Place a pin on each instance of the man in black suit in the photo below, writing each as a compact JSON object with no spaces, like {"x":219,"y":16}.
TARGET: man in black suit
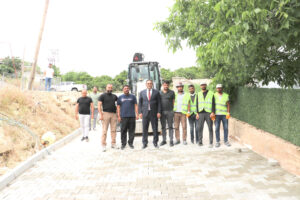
{"x":150,"y":111}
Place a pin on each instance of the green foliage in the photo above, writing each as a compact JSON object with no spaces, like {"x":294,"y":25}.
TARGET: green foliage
{"x":7,"y":65}
{"x":188,"y":73}
{"x":239,"y":42}
{"x":98,"y":81}
{"x":166,"y":74}
{"x":273,"y":110}
{"x":56,"y":71}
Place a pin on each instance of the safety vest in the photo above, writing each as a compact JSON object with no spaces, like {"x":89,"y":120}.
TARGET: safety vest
{"x":193,"y":105}
{"x":221,"y":104}
{"x":184,"y":106}
{"x":205,"y":103}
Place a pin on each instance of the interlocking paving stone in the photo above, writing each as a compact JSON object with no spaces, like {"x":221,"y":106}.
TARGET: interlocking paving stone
{"x":81,"y":171}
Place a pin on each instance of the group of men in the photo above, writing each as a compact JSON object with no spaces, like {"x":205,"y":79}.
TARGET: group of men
{"x":170,"y":107}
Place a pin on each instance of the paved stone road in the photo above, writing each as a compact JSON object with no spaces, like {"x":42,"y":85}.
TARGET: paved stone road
{"x":80,"y":170}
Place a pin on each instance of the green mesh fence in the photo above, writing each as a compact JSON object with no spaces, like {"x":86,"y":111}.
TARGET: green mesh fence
{"x":274,"y":110}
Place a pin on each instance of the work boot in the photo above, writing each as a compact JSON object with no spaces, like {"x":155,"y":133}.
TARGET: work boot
{"x":171,"y":143}
{"x":177,"y":142}
{"x":163,"y":143}
{"x":218,"y":144}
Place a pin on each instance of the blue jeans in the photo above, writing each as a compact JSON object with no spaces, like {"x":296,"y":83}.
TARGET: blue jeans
{"x":222,"y":118}
{"x":193,"y":122}
{"x":48,"y":84}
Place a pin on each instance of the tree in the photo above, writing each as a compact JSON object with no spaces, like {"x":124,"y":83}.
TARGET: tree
{"x":120,"y":80}
{"x":166,"y":74}
{"x":190,"y":73}
{"x":7,"y":65}
{"x":239,"y":42}
{"x":56,"y":71}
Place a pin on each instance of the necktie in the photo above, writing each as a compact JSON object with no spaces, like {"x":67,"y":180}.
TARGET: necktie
{"x":149,"y":95}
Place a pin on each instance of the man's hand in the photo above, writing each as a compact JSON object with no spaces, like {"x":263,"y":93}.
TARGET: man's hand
{"x":119,"y":118}
{"x":158,"y":115}
{"x":228,"y":116}
{"x":92,"y":116}
{"x":141,"y":116}
{"x":137,"y":116}
{"x":101,"y":117}
{"x":212,"y":115}
{"x":197,"y":116}
{"x":76,"y":116}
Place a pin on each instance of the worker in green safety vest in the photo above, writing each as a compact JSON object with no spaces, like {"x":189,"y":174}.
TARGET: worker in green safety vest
{"x":206,"y":110}
{"x":180,"y":112}
{"x":222,"y":114}
{"x":192,"y":113}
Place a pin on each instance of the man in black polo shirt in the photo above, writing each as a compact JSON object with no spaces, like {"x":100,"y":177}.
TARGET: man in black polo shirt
{"x":167,"y":104}
{"x":107,"y":103}
{"x":127,"y":110}
{"x":84,"y":107}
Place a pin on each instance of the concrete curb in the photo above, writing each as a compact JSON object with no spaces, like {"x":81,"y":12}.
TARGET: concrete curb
{"x":7,"y":178}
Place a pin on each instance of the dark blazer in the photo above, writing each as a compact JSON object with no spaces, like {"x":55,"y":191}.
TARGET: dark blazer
{"x":155,"y":102}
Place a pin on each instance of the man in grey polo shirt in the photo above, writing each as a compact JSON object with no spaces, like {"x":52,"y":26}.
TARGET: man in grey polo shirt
{"x":167,"y":101}
{"x":94,"y":95}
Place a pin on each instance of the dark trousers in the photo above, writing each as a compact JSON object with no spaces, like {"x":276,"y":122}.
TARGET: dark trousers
{"x":193,"y":122}
{"x":219,"y":119}
{"x":151,"y":117}
{"x":167,"y":117}
{"x":202,"y":118}
{"x":127,"y":125}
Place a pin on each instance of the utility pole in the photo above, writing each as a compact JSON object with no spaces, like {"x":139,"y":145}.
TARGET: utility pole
{"x":33,"y":69}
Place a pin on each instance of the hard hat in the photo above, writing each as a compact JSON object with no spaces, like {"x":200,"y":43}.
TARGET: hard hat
{"x":203,"y":83}
{"x":179,"y":85}
{"x":219,"y":86}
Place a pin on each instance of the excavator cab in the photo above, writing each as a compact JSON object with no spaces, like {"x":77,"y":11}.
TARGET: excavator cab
{"x":140,"y":72}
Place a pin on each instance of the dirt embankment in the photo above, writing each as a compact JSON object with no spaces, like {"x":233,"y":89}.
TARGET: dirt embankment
{"x":40,"y":112}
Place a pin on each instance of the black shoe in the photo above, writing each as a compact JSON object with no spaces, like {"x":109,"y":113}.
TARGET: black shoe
{"x":131,"y":146}
{"x":171,"y":144}
{"x":200,"y":144}
{"x":122,"y":147}
{"x":163,"y":143}
{"x":156,"y":146}
{"x":87,"y":138}
{"x":144,"y":146}
{"x":177,"y":142}
{"x":192,"y":141}
{"x":83,"y":138}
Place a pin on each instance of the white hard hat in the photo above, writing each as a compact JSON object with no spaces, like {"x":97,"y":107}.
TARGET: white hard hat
{"x":203,"y":83}
{"x":219,"y":86}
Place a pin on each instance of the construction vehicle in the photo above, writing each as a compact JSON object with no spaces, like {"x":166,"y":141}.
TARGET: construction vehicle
{"x":139,"y":71}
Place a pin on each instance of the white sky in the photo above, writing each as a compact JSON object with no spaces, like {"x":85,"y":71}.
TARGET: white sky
{"x":96,"y":36}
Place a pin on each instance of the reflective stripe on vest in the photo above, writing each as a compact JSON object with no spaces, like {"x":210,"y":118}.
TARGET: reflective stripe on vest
{"x":184,"y":106}
{"x":193,"y":105}
{"x":221,"y":104}
{"x":205,"y":103}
